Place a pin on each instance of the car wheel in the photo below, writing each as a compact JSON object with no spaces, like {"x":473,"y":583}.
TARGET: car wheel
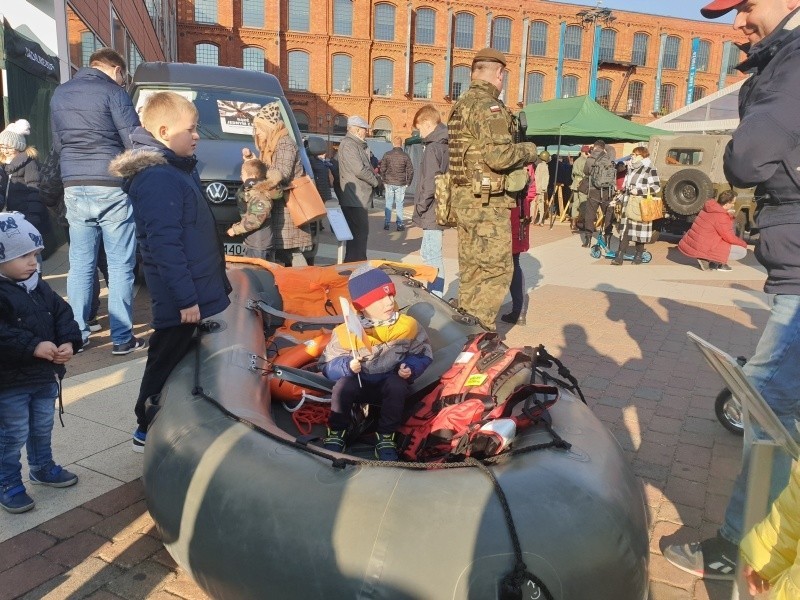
{"x":687,"y":191}
{"x":729,"y":412}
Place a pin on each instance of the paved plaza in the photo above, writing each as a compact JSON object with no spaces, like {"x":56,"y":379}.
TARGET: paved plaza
{"x":621,"y":331}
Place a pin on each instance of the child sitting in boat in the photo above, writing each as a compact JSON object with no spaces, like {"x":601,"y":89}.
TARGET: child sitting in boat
{"x":255,"y":207}
{"x":399,"y":352}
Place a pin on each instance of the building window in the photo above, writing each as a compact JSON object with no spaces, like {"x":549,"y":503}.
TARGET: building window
{"x":668,"y":93}
{"x":384,"y":22}
{"x":608,"y":45}
{"x":461,"y":79}
{"x":134,"y":57}
{"x":672,"y":48}
{"x":343,"y":17}
{"x":603,"y":97}
{"x":464,"y":30}
{"x":534,"y":88}
{"x":698,"y":93}
{"x":569,"y":86}
{"x":573,"y":40}
{"x":302,"y":120}
{"x":89,"y":44}
{"x":382,"y":127}
{"x":501,"y":34}
{"x":299,"y":15}
{"x":382,"y":77}
{"x":734,"y":58}
{"x":537,"y":45}
{"x":253,"y":59}
{"x":639,"y":54}
{"x":206,"y":54}
{"x":425,"y":32}
{"x":635,"y":95}
{"x":205,"y":11}
{"x":703,"y":55}
{"x":340,"y":123}
{"x":342,"y":73}
{"x":423,"y":80}
{"x":252,"y":13}
{"x":298,"y":70}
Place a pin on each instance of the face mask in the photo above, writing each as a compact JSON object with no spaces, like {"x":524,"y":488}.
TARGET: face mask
{"x":636,"y":162}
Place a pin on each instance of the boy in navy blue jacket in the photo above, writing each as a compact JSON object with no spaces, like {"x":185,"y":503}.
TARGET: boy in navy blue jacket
{"x":38,"y":334}
{"x":182,"y":256}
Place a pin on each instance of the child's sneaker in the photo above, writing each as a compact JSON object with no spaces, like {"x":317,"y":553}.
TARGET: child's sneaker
{"x":15,"y":500}
{"x":139,"y":440}
{"x":334,"y":441}
{"x":385,"y":448}
{"x":54,"y":475}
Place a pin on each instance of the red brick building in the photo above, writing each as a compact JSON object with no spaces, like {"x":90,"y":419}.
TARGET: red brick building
{"x":384,"y":59}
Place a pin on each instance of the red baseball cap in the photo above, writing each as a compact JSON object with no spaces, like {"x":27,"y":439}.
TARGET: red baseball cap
{"x":717,"y":8}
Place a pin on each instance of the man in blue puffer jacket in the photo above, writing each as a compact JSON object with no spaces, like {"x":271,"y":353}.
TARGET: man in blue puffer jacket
{"x":92,"y":118}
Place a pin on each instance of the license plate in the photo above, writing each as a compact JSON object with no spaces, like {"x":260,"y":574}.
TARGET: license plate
{"x":234,"y":249}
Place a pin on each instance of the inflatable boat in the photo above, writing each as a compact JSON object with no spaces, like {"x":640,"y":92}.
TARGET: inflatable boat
{"x":252,"y":508}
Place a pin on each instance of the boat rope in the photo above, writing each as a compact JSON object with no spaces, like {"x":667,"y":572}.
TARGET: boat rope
{"x":545,"y":359}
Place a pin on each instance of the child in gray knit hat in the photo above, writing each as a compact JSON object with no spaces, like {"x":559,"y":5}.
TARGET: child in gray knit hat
{"x":19,"y":179}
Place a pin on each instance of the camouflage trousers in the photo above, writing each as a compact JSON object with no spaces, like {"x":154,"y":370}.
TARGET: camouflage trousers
{"x":484,"y":261}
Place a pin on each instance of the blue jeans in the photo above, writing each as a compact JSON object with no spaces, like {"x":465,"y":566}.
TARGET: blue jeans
{"x":94,"y":212}
{"x":395,"y":195}
{"x":431,"y":252}
{"x":774,"y":370}
{"x":26,"y":417}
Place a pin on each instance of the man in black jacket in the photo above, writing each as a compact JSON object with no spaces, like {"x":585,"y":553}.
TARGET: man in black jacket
{"x":763,"y":153}
{"x":396,"y":173}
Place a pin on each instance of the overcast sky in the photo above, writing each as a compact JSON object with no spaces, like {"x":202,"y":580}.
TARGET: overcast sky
{"x":687,"y":9}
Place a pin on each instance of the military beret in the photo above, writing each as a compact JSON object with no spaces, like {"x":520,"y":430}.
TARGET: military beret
{"x":490,"y":55}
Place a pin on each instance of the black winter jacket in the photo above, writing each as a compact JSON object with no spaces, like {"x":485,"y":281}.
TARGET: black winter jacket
{"x":765,"y":151}
{"x":435,"y":159}
{"x":25,"y":320}
{"x":396,"y":168}
{"x":21,"y":190}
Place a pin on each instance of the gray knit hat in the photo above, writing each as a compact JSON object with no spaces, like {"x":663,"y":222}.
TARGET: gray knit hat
{"x":13,"y":136}
{"x":17,"y":236}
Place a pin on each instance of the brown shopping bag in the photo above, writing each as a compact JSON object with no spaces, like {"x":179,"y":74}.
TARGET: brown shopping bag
{"x":303,"y":201}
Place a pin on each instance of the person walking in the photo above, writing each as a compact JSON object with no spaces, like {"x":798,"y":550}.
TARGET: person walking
{"x":396,"y":172}
{"x":641,"y":181}
{"x":482,"y":153}
{"x":711,"y":239}
{"x":92,"y":118}
{"x":762,"y":154}
{"x":578,"y":197}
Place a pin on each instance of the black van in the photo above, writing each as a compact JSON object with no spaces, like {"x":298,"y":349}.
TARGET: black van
{"x":226,"y":99}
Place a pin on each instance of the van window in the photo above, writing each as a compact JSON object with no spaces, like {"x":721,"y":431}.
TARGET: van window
{"x":684,"y":156}
{"x":223,"y":114}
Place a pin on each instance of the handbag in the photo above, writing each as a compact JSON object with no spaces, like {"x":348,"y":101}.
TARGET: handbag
{"x":651,"y":208}
{"x":303,"y":201}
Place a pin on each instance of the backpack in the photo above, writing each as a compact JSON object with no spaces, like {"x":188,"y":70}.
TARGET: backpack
{"x":487,"y":382}
{"x":603,"y":174}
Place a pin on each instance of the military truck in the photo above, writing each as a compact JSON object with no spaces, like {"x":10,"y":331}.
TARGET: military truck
{"x":690,"y":169}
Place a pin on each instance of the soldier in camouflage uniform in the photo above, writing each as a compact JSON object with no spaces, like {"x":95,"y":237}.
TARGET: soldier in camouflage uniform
{"x":482,"y":154}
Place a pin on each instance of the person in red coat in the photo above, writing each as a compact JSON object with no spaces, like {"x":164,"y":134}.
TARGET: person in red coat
{"x":520,"y":242}
{"x":711,"y":239}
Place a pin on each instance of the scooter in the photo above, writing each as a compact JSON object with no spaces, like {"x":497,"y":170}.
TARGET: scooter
{"x":600,"y":248}
{"x":728,"y":408}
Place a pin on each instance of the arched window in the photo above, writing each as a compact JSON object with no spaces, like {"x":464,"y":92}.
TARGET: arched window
{"x":253,"y":59}
{"x":340,"y":123}
{"x":573,"y":40}
{"x":698,"y":93}
{"x":423,"y":80}
{"x":668,"y":94}
{"x":206,"y":54}
{"x":537,"y":45}
{"x":672,"y":48}
{"x":501,"y":34}
{"x":569,"y":86}
{"x":464,"y":30}
{"x":384,"y":22}
{"x":342,"y":73}
{"x":205,"y":11}
{"x":608,"y":44}
{"x":425,"y":32}
{"x":298,"y":70}
{"x":703,"y":55}
{"x":461,"y":78}
{"x":635,"y":95}
{"x":382,"y":127}
{"x":534,"y":88}
{"x":604,"y":93}
{"x":639,"y":53}
{"x":302,"y":120}
{"x":342,"y":17}
{"x":252,"y":13}
{"x":382,"y":77}
{"x":299,"y":15}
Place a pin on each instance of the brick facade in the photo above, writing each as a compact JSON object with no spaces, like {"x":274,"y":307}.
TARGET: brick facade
{"x":320,"y":104}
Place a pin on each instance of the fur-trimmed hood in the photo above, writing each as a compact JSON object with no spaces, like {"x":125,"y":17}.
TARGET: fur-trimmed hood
{"x":147,"y":152}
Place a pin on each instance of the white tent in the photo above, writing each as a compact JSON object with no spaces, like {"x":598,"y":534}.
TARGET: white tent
{"x":716,"y":113}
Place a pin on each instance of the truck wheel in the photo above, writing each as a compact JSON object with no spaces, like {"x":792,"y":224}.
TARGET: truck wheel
{"x":687,"y":191}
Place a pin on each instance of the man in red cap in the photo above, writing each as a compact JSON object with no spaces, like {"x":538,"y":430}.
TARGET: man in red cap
{"x":763,"y":153}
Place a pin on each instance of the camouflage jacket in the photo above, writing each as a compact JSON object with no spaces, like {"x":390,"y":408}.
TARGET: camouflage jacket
{"x":255,"y":205}
{"x":481,"y":140}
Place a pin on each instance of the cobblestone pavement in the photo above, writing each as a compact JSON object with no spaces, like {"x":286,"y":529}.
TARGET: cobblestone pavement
{"x":641,"y":376}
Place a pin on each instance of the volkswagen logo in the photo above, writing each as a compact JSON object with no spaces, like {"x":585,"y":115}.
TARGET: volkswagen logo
{"x":216,"y":192}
